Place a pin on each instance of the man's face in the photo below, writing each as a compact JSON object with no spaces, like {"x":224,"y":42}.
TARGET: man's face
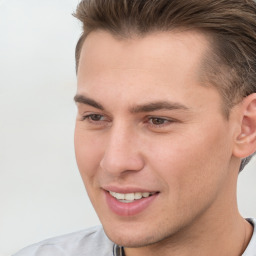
{"x":148,"y":129}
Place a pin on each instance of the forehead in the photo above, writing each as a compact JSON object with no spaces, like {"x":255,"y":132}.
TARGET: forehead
{"x":107,"y":51}
{"x":151,"y":66}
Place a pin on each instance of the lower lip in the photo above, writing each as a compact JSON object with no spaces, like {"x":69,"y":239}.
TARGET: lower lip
{"x":129,"y":209}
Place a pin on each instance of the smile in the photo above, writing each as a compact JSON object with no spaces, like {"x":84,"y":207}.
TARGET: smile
{"x":130,"y":197}
{"x":129,"y":204}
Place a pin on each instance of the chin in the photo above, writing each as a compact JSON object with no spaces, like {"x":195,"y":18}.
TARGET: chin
{"x":134,"y":238}
{"x":131,"y":242}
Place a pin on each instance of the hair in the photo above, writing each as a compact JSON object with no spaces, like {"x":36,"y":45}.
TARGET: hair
{"x":230,"y":27}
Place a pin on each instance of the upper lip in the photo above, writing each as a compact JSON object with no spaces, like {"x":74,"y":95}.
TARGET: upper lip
{"x":127,"y":189}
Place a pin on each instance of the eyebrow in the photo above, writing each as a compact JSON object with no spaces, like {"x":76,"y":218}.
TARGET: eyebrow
{"x":87,"y":101}
{"x":159,"y":105}
{"x":148,"y":107}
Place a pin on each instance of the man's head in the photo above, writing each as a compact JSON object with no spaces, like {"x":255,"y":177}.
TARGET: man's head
{"x":230,"y":27}
{"x":162,"y":109}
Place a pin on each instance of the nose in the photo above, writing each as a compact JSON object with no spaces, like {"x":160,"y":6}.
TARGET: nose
{"x":122,"y":152}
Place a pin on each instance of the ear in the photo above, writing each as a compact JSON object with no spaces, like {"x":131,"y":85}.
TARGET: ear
{"x":245,"y":142}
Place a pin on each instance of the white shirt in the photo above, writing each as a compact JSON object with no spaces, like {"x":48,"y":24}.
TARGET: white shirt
{"x":94,"y":242}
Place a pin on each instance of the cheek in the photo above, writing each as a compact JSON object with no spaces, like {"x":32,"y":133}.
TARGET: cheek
{"x":88,"y":152}
{"x":194,"y":162}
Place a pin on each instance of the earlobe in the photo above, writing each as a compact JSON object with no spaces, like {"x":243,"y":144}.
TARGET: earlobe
{"x":245,"y":142}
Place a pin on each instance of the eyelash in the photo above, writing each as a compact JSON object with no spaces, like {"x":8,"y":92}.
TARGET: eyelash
{"x":164,"y":121}
{"x":90,"y":118}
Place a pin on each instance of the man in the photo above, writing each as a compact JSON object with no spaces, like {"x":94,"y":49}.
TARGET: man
{"x":166,"y":118}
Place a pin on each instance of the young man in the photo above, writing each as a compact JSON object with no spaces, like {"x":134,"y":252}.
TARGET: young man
{"x":166,"y":103}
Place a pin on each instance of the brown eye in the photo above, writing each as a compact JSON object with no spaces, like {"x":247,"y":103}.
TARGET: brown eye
{"x":158,"y":121}
{"x":96,"y":117}
{"x":96,"y":121}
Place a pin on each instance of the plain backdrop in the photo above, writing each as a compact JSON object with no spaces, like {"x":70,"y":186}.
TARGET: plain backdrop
{"x":41,"y":193}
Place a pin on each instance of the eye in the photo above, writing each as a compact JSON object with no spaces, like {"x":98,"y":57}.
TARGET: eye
{"x":94,"y":117}
{"x":160,"y":124}
{"x":158,"y":121}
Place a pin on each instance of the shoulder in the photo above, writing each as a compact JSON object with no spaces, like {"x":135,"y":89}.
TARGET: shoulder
{"x":92,"y":241}
{"x":251,"y":248}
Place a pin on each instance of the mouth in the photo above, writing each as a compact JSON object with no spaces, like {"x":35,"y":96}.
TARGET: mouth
{"x":130,"y":197}
{"x":129,"y":203}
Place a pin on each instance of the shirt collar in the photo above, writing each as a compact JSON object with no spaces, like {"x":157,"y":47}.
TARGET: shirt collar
{"x":118,"y":250}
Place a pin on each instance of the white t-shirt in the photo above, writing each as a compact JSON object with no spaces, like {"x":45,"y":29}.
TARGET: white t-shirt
{"x":93,"y":241}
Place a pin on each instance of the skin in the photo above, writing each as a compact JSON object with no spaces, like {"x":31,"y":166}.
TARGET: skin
{"x":189,"y":153}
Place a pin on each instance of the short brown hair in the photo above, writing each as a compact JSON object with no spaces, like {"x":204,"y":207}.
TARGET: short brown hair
{"x":230,"y":26}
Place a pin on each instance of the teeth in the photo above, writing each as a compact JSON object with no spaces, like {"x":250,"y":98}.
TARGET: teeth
{"x":138,"y":195}
{"x":129,"y":197}
{"x":145,"y":194}
{"x":119,"y":196}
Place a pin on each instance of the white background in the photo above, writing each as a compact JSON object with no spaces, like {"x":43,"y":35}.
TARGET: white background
{"x":41,"y":193}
